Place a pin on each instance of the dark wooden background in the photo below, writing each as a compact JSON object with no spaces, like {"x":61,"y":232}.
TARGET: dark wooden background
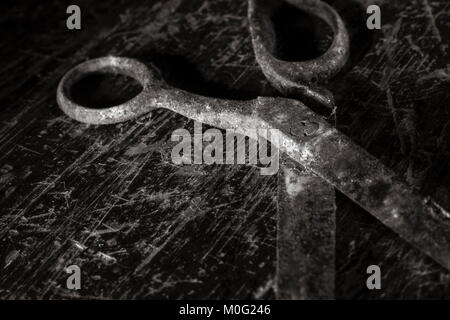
{"x":109,"y":199}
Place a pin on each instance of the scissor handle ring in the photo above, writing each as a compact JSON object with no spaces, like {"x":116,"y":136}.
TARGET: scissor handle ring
{"x":115,"y":114}
{"x":300,"y":76}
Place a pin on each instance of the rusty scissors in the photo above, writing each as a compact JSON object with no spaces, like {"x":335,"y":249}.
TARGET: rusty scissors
{"x":326,"y":152}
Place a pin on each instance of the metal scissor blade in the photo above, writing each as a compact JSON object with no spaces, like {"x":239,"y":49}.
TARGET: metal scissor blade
{"x":321,"y":148}
{"x":305,"y":234}
{"x":308,"y":139}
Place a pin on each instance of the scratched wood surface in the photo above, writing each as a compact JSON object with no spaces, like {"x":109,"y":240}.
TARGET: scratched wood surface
{"x":109,"y":199}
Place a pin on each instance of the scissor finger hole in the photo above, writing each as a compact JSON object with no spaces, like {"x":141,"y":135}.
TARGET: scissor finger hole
{"x":300,"y":35}
{"x":120,"y":111}
{"x":103,"y":90}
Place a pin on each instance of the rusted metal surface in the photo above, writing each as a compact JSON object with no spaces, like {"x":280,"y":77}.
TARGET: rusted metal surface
{"x":136,"y":107}
{"x":305,"y":234}
{"x":299,"y":78}
{"x":364,"y":179}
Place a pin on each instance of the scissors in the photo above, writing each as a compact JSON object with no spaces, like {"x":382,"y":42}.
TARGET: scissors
{"x":324,"y":151}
